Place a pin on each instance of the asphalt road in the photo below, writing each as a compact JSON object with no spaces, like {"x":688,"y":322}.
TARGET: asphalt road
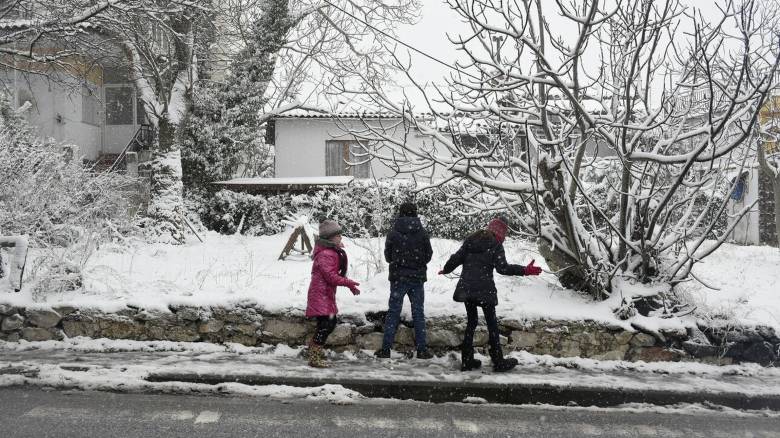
{"x":32,"y":412}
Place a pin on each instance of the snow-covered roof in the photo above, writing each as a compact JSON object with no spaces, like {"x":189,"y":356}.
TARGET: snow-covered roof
{"x":302,"y":183}
{"x":310,"y":180}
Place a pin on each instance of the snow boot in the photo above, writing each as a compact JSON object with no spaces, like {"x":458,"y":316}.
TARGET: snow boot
{"x":382,"y":354}
{"x":467,"y":361}
{"x":317,"y":357}
{"x":500,"y":363}
{"x":424,"y":354}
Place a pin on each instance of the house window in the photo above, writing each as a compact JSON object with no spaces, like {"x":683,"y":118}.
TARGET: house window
{"x":338,"y":155}
{"x":90,"y":106}
{"x":119,"y":105}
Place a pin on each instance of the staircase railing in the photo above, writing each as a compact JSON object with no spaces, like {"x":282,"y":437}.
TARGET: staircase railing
{"x":142,"y":139}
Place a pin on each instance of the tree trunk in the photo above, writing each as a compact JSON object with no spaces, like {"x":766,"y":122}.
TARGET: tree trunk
{"x":166,"y":206}
{"x":565,"y":258}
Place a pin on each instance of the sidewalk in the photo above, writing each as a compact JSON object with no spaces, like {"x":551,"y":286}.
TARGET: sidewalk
{"x":202,"y":367}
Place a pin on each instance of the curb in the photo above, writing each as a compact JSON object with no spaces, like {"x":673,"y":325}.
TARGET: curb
{"x":516,"y":394}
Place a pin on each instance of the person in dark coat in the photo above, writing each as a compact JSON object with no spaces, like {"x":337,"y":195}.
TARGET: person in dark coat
{"x":481,"y":254}
{"x":408,"y":251}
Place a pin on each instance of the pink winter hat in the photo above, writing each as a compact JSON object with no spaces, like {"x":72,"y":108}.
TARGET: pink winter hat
{"x":499,"y":228}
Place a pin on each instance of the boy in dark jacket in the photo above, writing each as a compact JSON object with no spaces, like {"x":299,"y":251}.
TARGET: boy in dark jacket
{"x":480,"y":254}
{"x":408,"y":251}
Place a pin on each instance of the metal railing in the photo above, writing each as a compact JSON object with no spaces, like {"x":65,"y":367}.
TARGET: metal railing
{"x":142,"y":140}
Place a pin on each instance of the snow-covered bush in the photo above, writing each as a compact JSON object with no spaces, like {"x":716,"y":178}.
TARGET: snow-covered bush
{"x":355,"y":207}
{"x":47,"y":194}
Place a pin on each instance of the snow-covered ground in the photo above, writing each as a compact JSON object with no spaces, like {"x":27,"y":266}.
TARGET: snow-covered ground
{"x":230,"y":269}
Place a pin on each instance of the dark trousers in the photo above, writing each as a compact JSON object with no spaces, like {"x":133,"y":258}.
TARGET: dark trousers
{"x":325,"y":326}
{"x":416,"y":292}
{"x":492,"y":325}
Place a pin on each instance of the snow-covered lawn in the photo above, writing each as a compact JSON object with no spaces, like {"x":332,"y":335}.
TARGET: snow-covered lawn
{"x":230,"y":269}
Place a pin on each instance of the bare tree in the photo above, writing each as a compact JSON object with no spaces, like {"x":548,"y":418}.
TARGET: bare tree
{"x":166,"y":44}
{"x":665,"y":98}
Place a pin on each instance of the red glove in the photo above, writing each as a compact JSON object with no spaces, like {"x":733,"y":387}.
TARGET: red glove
{"x":354,"y":290}
{"x":531,"y":269}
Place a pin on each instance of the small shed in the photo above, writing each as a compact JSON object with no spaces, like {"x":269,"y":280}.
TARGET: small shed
{"x":284,"y":185}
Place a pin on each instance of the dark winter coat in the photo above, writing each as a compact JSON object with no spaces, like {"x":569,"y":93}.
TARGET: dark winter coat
{"x":408,"y":250}
{"x":327,"y":272}
{"x":480,"y":254}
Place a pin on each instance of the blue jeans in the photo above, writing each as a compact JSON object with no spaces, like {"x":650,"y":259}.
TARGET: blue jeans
{"x":416,"y":292}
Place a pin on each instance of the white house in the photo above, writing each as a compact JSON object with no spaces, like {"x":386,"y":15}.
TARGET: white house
{"x":312,"y":144}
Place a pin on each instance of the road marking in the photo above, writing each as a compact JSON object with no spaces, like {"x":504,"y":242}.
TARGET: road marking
{"x":207,"y":417}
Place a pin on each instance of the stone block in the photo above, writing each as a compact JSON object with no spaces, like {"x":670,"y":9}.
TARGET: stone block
{"x":286,"y":331}
{"x":480,"y":337}
{"x":7,"y":309}
{"x":642,"y":340}
{"x":342,"y":335}
{"x":369,"y":341}
{"x":623,"y":337}
{"x":43,"y":318}
{"x":33,"y":334}
{"x":404,"y":335}
{"x":443,"y":338}
{"x":210,"y":326}
{"x":655,"y":354}
{"x":12,"y":322}
{"x":120,"y":327}
{"x":522,"y":340}
{"x":569,"y":348}
{"x":80,"y":325}
{"x":617,"y":354}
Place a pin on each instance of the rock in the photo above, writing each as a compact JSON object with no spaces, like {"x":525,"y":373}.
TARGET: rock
{"x":284,"y":330}
{"x":769,"y":334}
{"x":80,"y":325}
{"x":7,"y":309}
{"x":760,"y":352}
{"x":342,"y":335}
{"x":10,"y":336}
{"x":43,"y":318}
{"x":65,"y":310}
{"x":365,"y":329}
{"x":569,"y":348}
{"x":522,"y":340}
{"x":700,"y":349}
{"x":404,"y":335}
{"x":237,"y":315}
{"x":369,"y":341}
{"x":623,"y":337}
{"x":642,"y":340}
{"x":210,"y":326}
{"x":172,"y":332}
{"x":743,"y":336}
{"x":617,"y":354}
{"x":587,"y":338}
{"x":513,"y":324}
{"x":113,"y":326}
{"x":656,"y":354}
{"x":13,"y":322}
{"x":190,"y":314}
{"x":480,"y":337}
{"x":443,"y":338}
{"x":33,"y":334}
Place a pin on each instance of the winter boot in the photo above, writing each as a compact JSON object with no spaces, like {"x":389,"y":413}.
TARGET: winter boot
{"x":382,"y":354}
{"x":500,"y":363}
{"x":424,"y":354}
{"x":467,"y":361}
{"x":317,"y":357}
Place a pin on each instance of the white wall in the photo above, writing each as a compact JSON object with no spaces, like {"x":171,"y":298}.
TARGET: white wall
{"x":300,"y":146}
{"x":57,"y":114}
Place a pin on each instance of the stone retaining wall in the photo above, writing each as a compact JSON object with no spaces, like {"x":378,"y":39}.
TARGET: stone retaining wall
{"x":252,"y":326}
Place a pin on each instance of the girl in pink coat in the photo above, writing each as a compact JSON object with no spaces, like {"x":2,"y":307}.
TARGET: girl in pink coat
{"x":328,"y":271}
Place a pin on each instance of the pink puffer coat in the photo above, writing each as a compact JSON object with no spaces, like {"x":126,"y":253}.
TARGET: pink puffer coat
{"x":327,"y":272}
